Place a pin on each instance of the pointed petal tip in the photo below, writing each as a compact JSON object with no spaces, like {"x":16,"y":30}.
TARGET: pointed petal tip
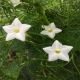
{"x":7,"y":39}
{"x":3,"y":27}
{"x":42,"y":26}
{"x":50,"y":60}
{"x":60,"y":30}
{"x":23,"y":40}
{"x":57,"y":30}
{"x":16,"y":18}
{"x":67,"y":60}
{"x":43,"y":32}
{"x":56,"y":41}
{"x":51,"y":37}
{"x":29,"y":26}
{"x":44,"y":49}
{"x":72,"y":47}
{"x":52,"y":23}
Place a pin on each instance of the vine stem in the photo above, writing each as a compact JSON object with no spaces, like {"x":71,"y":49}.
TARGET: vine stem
{"x":75,"y":65}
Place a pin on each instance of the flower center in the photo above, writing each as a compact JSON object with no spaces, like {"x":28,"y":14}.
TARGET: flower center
{"x":16,"y":30}
{"x":58,"y":50}
{"x":50,"y":30}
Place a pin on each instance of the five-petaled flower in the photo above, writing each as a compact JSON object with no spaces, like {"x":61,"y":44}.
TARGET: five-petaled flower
{"x":16,"y":30}
{"x":50,"y":30}
{"x":58,"y":51}
{"x":15,"y":2}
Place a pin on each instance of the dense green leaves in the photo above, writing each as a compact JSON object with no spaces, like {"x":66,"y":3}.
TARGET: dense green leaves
{"x":26,"y":60}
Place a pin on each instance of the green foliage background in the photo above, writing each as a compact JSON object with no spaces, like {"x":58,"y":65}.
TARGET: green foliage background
{"x":26,"y":60}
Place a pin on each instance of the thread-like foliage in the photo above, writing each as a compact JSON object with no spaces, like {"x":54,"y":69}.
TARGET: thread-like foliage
{"x":26,"y":60}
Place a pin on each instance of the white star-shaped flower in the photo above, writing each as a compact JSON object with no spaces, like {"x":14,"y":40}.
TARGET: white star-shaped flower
{"x":50,"y":30}
{"x":16,"y":30}
{"x":15,"y":2}
{"x":58,"y":51}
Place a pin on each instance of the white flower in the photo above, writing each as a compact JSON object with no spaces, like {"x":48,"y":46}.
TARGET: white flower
{"x":15,"y":2}
{"x":50,"y":30}
{"x":16,"y":30}
{"x":58,"y":51}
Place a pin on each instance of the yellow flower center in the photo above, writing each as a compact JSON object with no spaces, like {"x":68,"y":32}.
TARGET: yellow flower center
{"x":58,"y":50}
{"x":16,"y":30}
{"x":50,"y":30}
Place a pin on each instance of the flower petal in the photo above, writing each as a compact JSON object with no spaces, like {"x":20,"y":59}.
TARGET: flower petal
{"x":25,"y":27}
{"x":65,"y":58}
{"x":44,"y":32}
{"x":57,"y":44}
{"x":57,"y":30}
{"x":16,"y":23}
{"x":10,"y":36}
{"x":51,"y":35}
{"x":20,"y":36}
{"x":66,"y":49}
{"x":15,"y":2}
{"x":7,"y":29}
{"x":48,"y":49}
{"x":52,"y":57}
{"x":44,"y":26}
{"x":52,"y":25}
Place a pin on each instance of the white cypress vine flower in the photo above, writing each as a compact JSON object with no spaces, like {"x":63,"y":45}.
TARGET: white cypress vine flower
{"x":50,"y":30}
{"x":15,"y":2}
{"x":58,"y":51}
{"x":16,"y":30}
